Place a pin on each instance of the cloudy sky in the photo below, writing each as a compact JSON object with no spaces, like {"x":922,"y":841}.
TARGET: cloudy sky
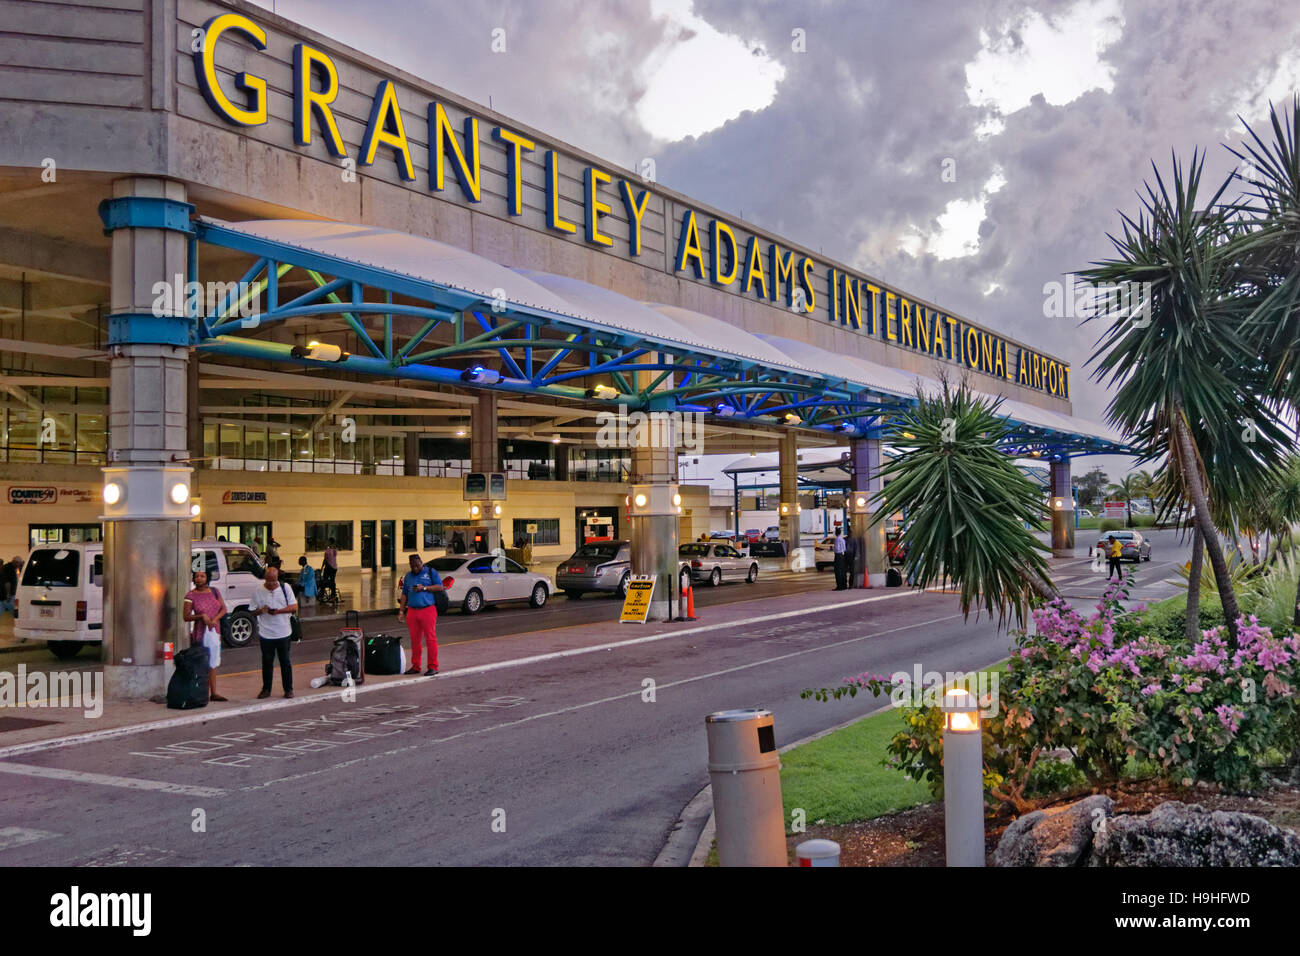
{"x":833,"y":122}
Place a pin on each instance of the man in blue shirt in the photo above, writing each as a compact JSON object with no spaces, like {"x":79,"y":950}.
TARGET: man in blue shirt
{"x":421,"y":613}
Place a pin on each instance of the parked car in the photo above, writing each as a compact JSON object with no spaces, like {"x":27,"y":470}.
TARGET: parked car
{"x":753,"y":534}
{"x":61,"y":595}
{"x":597,"y":566}
{"x":773,"y":533}
{"x":1136,"y":548}
{"x":716,"y":563}
{"x":1084,"y":513}
{"x":476,"y":580}
{"x":824,"y":553}
{"x":738,"y":541}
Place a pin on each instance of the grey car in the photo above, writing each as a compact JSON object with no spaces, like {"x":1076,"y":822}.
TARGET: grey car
{"x":714,"y":562}
{"x":597,"y":566}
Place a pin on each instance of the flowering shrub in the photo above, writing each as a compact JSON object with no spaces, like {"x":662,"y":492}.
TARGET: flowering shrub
{"x":1105,"y":691}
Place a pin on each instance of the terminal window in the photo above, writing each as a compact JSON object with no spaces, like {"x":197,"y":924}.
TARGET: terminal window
{"x":548,"y":531}
{"x":317,"y":535}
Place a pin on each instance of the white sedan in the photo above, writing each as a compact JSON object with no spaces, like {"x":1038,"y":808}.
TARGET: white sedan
{"x":475,"y":580}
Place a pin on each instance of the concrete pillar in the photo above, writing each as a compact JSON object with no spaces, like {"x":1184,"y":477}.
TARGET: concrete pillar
{"x":788,"y":464}
{"x":484,"y":450}
{"x":484,"y":454}
{"x":411,"y":455}
{"x":146,"y":529}
{"x":654,"y":533}
{"x":873,"y":558}
{"x":1062,"y":507}
{"x":561,"y":469}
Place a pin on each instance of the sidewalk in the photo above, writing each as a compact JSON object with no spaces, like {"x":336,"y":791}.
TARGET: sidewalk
{"x":455,"y":660}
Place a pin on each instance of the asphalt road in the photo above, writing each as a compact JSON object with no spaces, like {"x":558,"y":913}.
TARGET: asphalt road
{"x":561,"y":761}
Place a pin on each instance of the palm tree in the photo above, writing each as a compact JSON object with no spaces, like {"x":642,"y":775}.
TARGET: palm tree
{"x":967,"y":504}
{"x":1186,"y":377}
{"x":1144,"y":486}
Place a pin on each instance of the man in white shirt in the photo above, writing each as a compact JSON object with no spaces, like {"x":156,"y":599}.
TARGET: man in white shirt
{"x":841,"y":560}
{"x":273,"y":603}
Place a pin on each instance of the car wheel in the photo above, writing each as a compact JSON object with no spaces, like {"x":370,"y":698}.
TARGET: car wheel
{"x":753,"y":574}
{"x":539,"y":595}
{"x":573,"y":595}
{"x":473,"y":602}
{"x":715,"y":578}
{"x":243,"y":627}
{"x":623,"y":583}
{"x":65,"y":650}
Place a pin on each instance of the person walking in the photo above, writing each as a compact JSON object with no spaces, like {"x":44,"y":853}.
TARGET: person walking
{"x":273,"y":602}
{"x":1116,"y":555}
{"x":10,"y":574}
{"x":205,"y":607}
{"x":841,"y":554}
{"x":307,"y":581}
{"x":457,"y":543}
{"x":420,"y":613}
{"x":330,"y":570}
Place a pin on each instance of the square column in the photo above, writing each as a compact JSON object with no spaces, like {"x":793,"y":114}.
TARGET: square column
{"x":1062,"y":507}
{"x":788,"y":508}
{"x":148,"y":479}
{"x":655,"y":525}
{"x":873,"y":558}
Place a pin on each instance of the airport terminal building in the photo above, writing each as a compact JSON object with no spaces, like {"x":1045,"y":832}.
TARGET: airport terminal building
{"x":260,"y":285}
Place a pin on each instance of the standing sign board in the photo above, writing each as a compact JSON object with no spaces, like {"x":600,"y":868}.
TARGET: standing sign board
{"x":1114,"y":509}
{"x":636,"y":606}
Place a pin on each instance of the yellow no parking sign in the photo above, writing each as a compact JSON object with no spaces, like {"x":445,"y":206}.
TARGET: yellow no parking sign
{"x":636,"y":606}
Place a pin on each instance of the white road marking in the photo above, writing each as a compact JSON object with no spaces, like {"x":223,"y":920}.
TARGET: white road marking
{"x":11,"y":837}
{"x":103,"y":779}
{"x":109,"y":733}
{"x":428,"y":742}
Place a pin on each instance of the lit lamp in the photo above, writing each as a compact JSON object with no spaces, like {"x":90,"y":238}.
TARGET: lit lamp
{"x":1058,"y":504}
{"x":496,"y":511}
{"x":963,"y":779}
{"x":475,"y":511}
{"x":785,"y":509}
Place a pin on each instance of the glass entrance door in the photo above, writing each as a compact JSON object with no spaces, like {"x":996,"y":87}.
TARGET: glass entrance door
{"x":387,"y":546}
{"x":368,"y":545}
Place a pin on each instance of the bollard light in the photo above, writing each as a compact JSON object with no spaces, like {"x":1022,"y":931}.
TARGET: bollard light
{"x":112,"y":493}
{"x":180,"y":493}
{"x":963,"y":779}
{"x":195,"y":510}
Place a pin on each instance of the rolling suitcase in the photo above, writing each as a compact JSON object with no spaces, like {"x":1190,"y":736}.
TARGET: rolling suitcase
{"x":188,"y":687}
{"x":348,"y":651}
{"x":384,"y":655}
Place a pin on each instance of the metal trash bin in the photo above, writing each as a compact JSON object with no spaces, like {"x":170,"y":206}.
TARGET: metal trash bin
{"x":745,"y":771}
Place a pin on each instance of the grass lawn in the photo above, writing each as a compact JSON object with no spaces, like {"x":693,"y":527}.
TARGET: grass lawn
{"x":839,"y":778}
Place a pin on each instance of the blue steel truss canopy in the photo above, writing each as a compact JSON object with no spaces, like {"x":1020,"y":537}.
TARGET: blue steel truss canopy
{"x":424,"y":310}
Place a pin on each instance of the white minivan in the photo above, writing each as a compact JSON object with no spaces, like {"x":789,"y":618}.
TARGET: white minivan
{"x":60,"y":598}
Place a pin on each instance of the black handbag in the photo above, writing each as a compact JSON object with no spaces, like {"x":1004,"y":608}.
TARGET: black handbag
{"x":295,"y":625}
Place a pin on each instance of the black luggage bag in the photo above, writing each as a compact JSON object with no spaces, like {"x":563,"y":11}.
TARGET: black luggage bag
{"x":383,"y":654}
{"x":188,"y":687}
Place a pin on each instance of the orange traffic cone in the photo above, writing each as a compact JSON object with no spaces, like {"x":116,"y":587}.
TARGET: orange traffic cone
{"x":690,"y":603}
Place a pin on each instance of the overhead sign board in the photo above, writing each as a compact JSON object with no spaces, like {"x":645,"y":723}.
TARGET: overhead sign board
{"x":614,"y":213}
{"x":636,"y":606}
{"x":485,"y":486}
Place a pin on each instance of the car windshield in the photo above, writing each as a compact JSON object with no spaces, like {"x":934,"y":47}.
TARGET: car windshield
{"x":603,"y":551}
{"x":446,"y":564}
{"x":52,"y":568}
{"x":693,"y":550}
